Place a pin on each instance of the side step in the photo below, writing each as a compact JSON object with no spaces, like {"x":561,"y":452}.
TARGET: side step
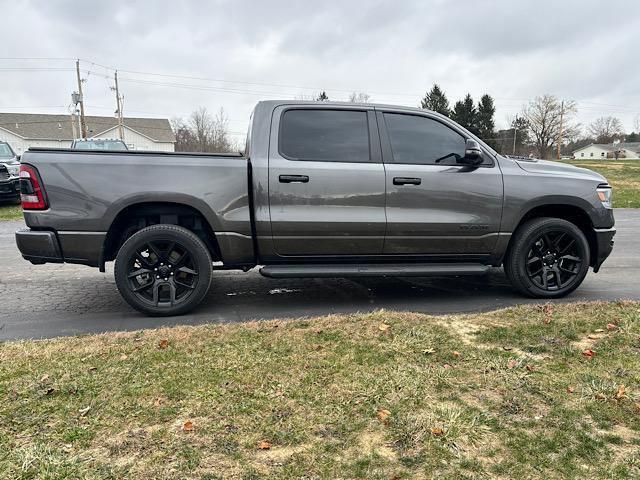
{"x":373,"y":270}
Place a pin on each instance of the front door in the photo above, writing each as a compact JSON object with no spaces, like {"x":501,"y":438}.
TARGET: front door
{"x":326,"y":182}
{"x":436,"y":206}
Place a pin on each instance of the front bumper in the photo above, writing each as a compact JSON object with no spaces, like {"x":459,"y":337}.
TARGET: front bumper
{"x":39,"y":246}
{"x":603,"y":245}
{"x":10,"y":189}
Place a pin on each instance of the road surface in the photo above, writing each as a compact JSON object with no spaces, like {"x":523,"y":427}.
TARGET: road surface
{"x":56,"y":300}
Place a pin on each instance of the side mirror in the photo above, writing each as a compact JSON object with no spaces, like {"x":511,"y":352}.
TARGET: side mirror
{"x":472,"y":153}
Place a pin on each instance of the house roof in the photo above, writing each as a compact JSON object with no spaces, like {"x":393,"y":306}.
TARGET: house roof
{"x":609,"y":147}
{"x":58,"y":127}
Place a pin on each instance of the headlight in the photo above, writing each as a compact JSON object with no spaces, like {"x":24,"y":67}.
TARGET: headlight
{"x":605,"y":195}
{"x":14,"y":170}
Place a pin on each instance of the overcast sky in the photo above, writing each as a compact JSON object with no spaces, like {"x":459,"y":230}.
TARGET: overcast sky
{"x":232,"y":54}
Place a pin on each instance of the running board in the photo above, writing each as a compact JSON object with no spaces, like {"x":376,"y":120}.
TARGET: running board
{"x":374,"y":270}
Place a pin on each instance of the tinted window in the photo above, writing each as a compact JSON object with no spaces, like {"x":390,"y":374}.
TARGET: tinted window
{"x":416,"y":139}
{"x":325,"y":135}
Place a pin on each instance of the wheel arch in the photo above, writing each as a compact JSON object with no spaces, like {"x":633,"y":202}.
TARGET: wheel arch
{"x":567,"y":211}
{"x":138,"y":215}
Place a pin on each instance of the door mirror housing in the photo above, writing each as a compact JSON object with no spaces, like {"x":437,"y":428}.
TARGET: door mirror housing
{"x":472,"y":153}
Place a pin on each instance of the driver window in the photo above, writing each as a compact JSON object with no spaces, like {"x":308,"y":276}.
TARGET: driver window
{"x":421,"y":140}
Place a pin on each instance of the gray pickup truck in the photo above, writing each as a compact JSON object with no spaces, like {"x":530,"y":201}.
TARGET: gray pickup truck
{"x":322,"y":190}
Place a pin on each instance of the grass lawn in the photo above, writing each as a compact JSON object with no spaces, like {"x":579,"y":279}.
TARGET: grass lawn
{"x":527,"y":392}
{"x":623,"y":175}
{"x":10,"y":212}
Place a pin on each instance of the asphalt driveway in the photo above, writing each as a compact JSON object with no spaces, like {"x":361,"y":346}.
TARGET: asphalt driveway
{"x":55,"y":300}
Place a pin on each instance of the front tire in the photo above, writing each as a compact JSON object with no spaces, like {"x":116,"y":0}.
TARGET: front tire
{"x":547,"y":258}
{"x":163,"y":270}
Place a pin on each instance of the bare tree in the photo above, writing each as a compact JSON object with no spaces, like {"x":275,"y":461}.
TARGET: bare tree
{"x":203,"y":132}
{"x":606,"y":129}
{"x":359,"y":97}
{"x":543,"y":116}
{"x":220,"y":141}
{"x":201,"y":125}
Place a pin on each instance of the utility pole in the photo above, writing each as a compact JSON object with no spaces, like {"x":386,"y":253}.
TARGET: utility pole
{"x":119,"y":108}
{"x":83,"y":123}
{"x":560,"y":132}
{"x":515,"y":134}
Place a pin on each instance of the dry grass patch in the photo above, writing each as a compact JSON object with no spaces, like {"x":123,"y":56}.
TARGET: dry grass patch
{"x":505,"y":394}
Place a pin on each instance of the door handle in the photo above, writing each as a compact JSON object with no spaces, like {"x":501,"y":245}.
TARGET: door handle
{"x":406,"y":181}
{"x":293,"y":178}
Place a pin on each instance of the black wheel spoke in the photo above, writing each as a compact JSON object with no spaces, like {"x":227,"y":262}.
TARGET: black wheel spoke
{"x":143,"y":287}
{"x":571,"y":257}
{"x":567,"y":247}
{"x":188,"y":271}
{"x":182,"y":284}
{"x":533,"y":260}
{"x":140,"y":271}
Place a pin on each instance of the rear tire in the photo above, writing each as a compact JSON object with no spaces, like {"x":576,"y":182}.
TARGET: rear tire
{"x":547,"y":258}
{"x":163,"y":270}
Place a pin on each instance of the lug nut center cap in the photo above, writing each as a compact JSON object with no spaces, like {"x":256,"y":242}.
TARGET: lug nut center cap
{"x":164,"y":271}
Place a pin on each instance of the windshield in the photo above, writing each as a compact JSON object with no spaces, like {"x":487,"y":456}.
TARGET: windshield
{"x":5,"y":151}
{"x":100,"y":145}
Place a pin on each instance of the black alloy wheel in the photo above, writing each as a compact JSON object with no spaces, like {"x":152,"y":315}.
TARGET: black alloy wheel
{"x":163,"y":270}
{"x":547,"y":258}
{"x":554,"y":260}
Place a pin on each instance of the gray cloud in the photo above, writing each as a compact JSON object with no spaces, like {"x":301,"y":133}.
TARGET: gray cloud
{"x":580,"y":50}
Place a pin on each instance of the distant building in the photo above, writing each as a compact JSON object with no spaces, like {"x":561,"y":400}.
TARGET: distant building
{"x":629,"y":151}
{"x":24,"y":130}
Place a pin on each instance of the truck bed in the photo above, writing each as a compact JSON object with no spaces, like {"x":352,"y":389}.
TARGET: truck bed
{"x":86,"y":190}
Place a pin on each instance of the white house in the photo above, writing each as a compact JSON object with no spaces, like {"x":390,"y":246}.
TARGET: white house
{"x":628,"y":151}
{"x":24,"y":130}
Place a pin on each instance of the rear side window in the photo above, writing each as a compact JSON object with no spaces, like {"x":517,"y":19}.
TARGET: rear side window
{"x":324,"y":135}
{"x":421,"y":140}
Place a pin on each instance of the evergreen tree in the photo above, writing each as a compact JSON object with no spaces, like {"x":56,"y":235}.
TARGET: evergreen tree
{"x":323,"y":97}
{"x":436,"y":100}
{"x":465,"y":113}
{"x":484,"y":120}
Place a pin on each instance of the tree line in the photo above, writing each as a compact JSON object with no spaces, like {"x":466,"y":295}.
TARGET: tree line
{"x":535,"y":131}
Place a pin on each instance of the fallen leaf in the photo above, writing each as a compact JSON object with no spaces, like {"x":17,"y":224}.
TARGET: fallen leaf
{"x":455,"y":354}
{"x":589,"y":353}
{"x":446,"y":366}
{"x":44,"y":378}
{"x":164,"y":343}
{"x":593,"y":337}
{"x":383,"y":415}
{"x":530,"y":368}
{"x":621,"y":393}
{"x":570,"y":390}
{"x":264,"y":445}
{"x":49,"y":391}
{"x":383,"y":327}
{"x":93,"y":369}
{"x":599,"y":330}
{"x":428,"y":351}
{"x":611,"y":326}
{"x":83,"y":411}
{"x":188,"y":426}
{"x":548,"y":313}
{"x":123,"y":357}
{"x":636,"y":406}
{"x":507,"y":349}
{"x":437,"y":432}
{"x":512,"y":364}
{"x":600,"y":396}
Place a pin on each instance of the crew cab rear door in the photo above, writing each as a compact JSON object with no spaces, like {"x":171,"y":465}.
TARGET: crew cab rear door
{"x":326,"y":181}
{"x":435,"y":205}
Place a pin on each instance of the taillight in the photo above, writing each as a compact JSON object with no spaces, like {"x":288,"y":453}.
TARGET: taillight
{"x":31,"y":192}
